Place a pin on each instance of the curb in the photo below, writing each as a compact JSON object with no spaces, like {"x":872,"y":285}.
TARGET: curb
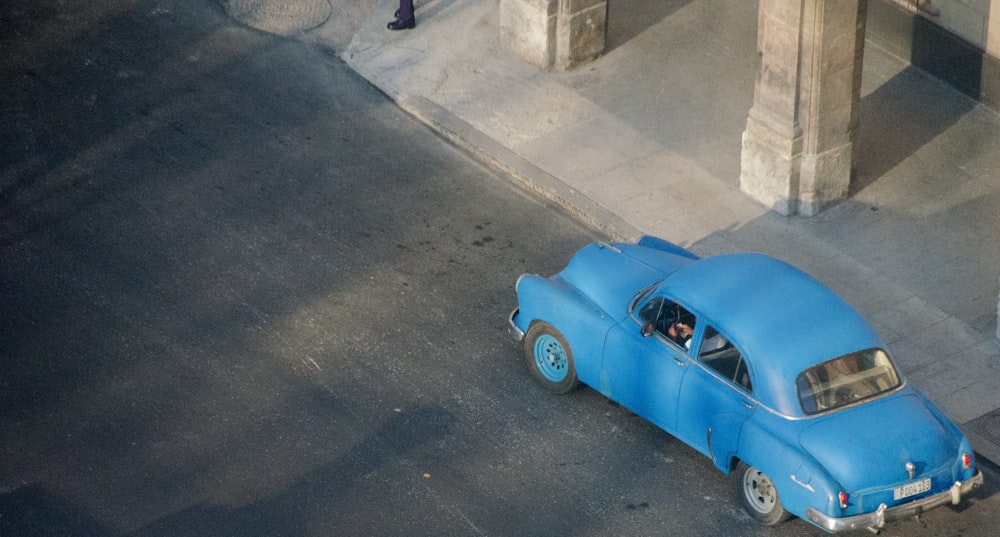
{"x":520,"y":170}
{"x":497,"y":156}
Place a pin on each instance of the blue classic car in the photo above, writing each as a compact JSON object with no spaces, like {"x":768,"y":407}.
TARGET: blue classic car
{"x":777,"y":380}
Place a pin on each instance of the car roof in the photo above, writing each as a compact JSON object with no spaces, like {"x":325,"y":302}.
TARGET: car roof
{"x":782,"y":319}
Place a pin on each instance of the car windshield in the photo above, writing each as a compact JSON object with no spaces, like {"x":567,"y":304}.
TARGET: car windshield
{"x":844,"y":380}
{"x":641,"y":294}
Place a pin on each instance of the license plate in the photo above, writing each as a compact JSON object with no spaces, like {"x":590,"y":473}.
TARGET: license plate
{"x":911,"y":489}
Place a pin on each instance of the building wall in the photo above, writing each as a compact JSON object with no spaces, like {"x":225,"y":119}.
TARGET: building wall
{"x":955,"y":40}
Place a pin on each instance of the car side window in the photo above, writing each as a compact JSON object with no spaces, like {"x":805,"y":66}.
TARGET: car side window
{"x":718,"y":353}
{"x":669,"y":319}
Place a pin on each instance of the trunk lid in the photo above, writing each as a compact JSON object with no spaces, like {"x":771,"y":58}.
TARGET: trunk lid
{"x":869,"y":445}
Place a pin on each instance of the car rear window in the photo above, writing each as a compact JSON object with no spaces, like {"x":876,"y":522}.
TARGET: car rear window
{"x":845,"y":380}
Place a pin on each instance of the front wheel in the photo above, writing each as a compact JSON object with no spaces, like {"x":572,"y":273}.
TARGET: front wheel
{"x":756,"y":492}
{"x":550,"y":358}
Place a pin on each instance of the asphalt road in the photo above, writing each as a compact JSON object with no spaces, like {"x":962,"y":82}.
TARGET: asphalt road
{"x":243,"y":294}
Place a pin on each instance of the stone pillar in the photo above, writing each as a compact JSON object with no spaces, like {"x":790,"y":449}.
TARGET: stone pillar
{"x":559,"y":34}
{"x":798,"y":146}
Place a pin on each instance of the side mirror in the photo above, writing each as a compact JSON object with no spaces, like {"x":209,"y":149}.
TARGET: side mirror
{"x":648,"y":329}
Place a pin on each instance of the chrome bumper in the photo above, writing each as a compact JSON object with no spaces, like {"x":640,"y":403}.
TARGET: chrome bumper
{"x":877,"y":519}
{"x":512,"y":328}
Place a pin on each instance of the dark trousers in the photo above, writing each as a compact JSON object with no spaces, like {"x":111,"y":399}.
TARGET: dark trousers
{"x":405,"y":10}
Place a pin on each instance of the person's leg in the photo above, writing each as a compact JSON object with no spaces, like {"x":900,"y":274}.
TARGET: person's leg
{"x":405,"y":10}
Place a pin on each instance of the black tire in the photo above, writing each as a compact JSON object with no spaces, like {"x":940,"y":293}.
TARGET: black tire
{"x":758,"y":495}
{"x":550,"y":358}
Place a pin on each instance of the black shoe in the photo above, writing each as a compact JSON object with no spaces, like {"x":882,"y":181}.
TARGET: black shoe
{"x":402,"y":25}
{"x":396,"y":14}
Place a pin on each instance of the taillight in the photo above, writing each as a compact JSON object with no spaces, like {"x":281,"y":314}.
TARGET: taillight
{"x":842,"y":496}
{"x":966,"y":461}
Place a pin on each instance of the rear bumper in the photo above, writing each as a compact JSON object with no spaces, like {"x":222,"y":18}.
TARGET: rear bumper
{"x":512,"y":328}
{"x":883,"y":514}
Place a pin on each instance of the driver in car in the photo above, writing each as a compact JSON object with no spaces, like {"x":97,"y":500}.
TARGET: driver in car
{"x":681,"y":333}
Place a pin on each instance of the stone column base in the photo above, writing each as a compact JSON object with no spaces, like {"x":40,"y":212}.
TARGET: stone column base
{"x":549,"y":34}
{"x":774,"y":171}
{"x":824,"y":179}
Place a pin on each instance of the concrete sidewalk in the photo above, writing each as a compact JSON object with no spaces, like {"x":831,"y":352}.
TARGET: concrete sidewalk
{"x":647,"y":140}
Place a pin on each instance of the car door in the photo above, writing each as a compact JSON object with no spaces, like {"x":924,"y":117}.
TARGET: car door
{"x":716,"y":397}
{"x":642,"y":366}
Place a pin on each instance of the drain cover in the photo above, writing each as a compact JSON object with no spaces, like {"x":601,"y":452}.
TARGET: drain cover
{"x":282,"y":17}
{"x":987,"y":426}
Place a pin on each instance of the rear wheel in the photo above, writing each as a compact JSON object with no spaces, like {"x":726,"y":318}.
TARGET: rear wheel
{"x":550,"y":358}
{"x":756,"y":492}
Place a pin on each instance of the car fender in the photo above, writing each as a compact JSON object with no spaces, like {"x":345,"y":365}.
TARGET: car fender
{"x":800,"y":480}
{"x":582,"y":323}
{"x":957,"y":471}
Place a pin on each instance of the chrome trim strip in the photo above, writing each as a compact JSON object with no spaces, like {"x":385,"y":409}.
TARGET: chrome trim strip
{"x":609,"y":246}
{"x":806,"y":486}
{"x":512,"y":328}
{"x":877,"y":519}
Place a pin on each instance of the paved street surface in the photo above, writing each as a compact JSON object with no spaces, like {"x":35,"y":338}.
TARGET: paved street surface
{"x":245,"y":295}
